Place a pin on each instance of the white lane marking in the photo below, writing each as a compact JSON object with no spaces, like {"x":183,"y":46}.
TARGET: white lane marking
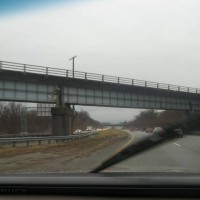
{"x":177,"y":144}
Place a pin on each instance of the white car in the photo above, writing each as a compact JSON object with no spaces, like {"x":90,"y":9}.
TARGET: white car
{"x":77,"y":131}
{"x":89,"y":128}
{"x":158,"y":130}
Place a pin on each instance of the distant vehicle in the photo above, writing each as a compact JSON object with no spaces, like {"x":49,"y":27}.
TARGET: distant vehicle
{"x":132,"y":129}
{"x":179,"y":132}
{"x":149,"y":130}
{"x":77,"y":131}
{"x":89,"y":128}
{"x":158,"y":130}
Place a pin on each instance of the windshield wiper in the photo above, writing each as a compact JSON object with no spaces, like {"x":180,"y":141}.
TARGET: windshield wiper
{"x":143,"y":145}
{"x":135,"y":148}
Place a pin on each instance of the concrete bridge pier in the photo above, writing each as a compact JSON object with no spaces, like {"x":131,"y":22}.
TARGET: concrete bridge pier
{"x":61,"y":120}
{"x":62,"y":115}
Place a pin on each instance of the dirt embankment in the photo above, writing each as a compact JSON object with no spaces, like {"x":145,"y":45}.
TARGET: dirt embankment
{"x":75,"y":156}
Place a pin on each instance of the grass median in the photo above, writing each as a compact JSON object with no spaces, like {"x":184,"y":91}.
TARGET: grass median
{"x":59,"y":156}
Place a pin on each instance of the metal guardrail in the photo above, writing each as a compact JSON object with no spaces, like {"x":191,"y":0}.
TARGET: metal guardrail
{"x":15,"y":140}
{"x":48,"y":71}
{"x":24,"y":135}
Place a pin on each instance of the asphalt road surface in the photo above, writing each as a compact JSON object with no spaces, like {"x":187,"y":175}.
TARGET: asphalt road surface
{"x":177,"y":155}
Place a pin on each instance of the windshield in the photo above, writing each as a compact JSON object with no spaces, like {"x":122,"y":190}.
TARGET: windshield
{"x":80,"y":81}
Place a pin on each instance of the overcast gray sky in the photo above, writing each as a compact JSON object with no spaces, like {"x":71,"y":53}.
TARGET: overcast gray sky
{"x":151,"y":40}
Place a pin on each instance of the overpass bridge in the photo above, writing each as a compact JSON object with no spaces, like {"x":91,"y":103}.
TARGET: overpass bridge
{"x":112,"y":125}
{"x":31,"y":83}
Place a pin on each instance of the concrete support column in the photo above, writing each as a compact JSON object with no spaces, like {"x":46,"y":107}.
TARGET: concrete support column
{"x":61,"y":120}
{"x":23,"y":122}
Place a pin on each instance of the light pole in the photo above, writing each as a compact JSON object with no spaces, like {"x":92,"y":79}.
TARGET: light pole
{"x":73,"y":64}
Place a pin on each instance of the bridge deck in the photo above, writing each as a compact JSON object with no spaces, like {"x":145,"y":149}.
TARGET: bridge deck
{"x":29,"y":83}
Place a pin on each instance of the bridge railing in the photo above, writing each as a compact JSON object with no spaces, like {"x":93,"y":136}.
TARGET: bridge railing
{"x":26,"y":68}
{"x":94,"y":77}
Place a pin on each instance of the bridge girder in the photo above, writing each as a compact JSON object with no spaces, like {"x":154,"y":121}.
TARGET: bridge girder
{"x":16,"y":86}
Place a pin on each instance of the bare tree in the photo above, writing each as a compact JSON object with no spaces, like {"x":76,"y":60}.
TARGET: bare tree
{"x":10,"y":118}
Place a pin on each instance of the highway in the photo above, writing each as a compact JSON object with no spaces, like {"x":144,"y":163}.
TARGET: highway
{"x":177,"y":155}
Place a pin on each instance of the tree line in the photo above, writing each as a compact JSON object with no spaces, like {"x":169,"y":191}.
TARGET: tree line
{"x":11,"y":119}
{"x":166,"y":119}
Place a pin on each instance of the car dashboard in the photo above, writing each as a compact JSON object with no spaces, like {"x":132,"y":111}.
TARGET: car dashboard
{"x":100,"y":186}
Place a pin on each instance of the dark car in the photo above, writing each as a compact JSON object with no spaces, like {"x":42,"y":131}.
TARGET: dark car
{"x":179,"y":132}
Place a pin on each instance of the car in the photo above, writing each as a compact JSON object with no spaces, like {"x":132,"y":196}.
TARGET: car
{"x":77,"y":131}
{"x":89,"y":128}
{"x":158,"y":130}
{"x":149,"y":130}
{"x":179,"y":132}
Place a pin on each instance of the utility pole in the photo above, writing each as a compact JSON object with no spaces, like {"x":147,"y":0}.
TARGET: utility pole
{"x":73,"y":64}
{"x":73,"y":118}
{"x":73,"y":107}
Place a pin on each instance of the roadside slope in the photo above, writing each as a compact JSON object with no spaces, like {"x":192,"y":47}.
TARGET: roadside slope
{"x":75,"y":156}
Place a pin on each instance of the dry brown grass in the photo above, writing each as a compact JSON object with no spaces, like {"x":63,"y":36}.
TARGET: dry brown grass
{"x":99,"y":137}
{"x":54,"y":157}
